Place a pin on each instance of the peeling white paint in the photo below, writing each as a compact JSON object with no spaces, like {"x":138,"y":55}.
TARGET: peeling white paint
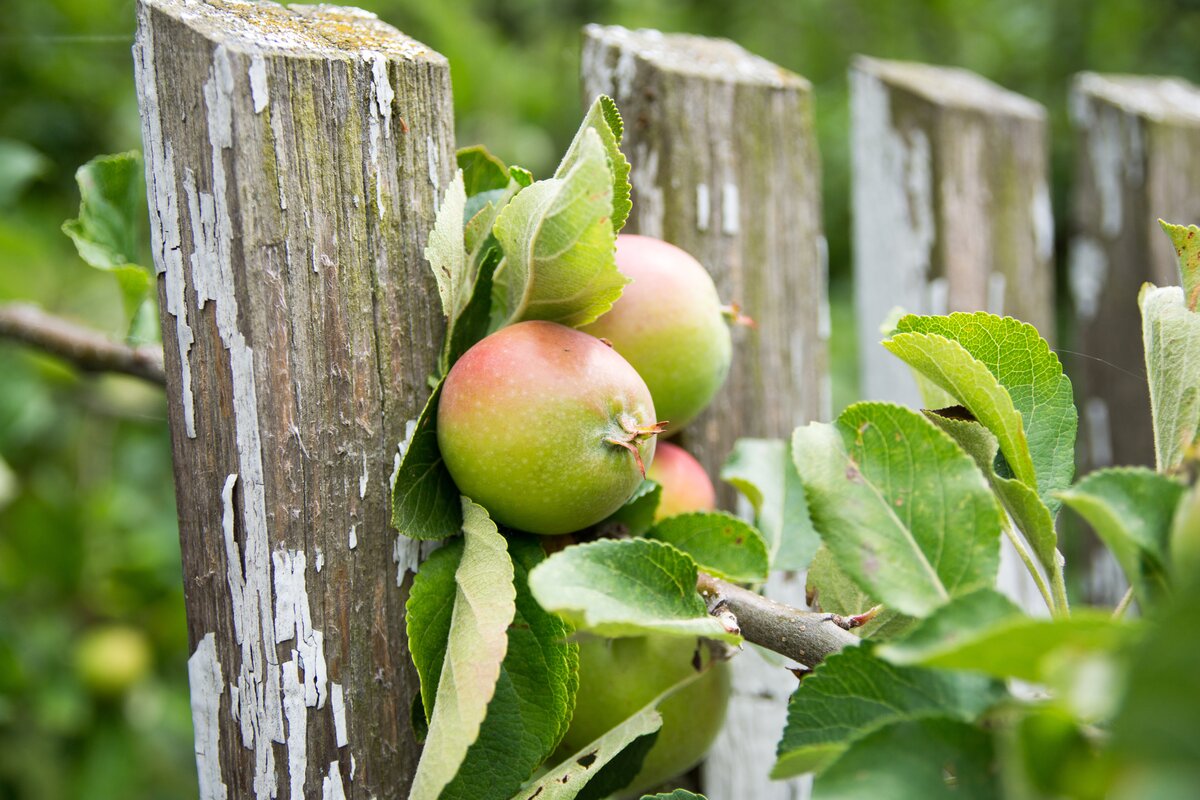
{"x":996,"y":286}
{"x":1099,"y":431}
{"x":331,"y":784}
{"x":320,"y":559}
{"x":293,"y":620}
{"x":206,"y":684}
{"x":337,"y":703}
{"x":644,"y":175}
{"x":260,"y":93}
{"x":1087,"y":273}
{"x":939,"y":296}
{"x":379,"y":121}
{"x":1107,"y":162}
{"x":352,"y":537}
{"x":824,"y":314}
{"x":431,"y":153}
{"x":362,"y":480}
{"x":731,"y":221}
{"x":297,"y":726}
{"x":1042,"y":214}
{"x":703,"y":207}
{"x":353,"y":767}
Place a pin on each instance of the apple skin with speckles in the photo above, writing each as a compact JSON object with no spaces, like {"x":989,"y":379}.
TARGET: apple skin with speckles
{"x":618,"y":677}
{"x":539,"y":424}
{"x":685,"y":485}
{"x":670,"y":325}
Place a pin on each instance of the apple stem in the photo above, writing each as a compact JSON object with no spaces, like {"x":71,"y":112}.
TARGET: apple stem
{"x":631,"y":447}
{"x":733,"y":313}
{"x":634,"y":435}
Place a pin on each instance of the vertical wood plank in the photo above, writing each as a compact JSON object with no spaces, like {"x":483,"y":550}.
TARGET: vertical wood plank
{"x":294,"y":158}
{"x":725,"y":165}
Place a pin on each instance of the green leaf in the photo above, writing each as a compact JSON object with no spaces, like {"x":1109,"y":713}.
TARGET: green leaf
{"x":1131,"y":509}
{"x":484,"y":606}
{"x":427,"y":617}
{"x":472,"y":324}
{"x":446,"y":252}
{"x":853,"y":692}
{"x":481,"y":171}
{"x":637,"y":515}
{"x":1186,"y":240}
{"x":904,"y":511}
{"x":535,"y":694}
{"x":626,"y":587}
{"x":985,"y":632}
{"x":1020,"y":501}
{"x":1171,"y":337}
{"x":567,"y":780}
{"x":604,"y":118}
{"x":910,"y":760}
{"x":678,"y":794}
{"x":763,"y":470}
{"x":559,"y":245}
{"x":832,"y":591}
{"x":425,"y":501}
{"x":20,"y":165}
{"x":110,"y":231}
{"x":719,"y":543}
{"x":1010,"y":380}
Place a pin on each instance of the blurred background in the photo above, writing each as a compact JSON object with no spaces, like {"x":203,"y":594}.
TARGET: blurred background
{"x":93,"y":644}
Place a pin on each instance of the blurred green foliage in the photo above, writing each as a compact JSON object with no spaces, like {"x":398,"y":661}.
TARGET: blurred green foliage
{"x":87,"y":523}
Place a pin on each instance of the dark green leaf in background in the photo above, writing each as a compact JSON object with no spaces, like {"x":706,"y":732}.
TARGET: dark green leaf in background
{"x":425,"y":501}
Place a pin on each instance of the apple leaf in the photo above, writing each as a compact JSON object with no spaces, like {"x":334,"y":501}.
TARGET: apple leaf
{"x":569,"y":779}
{"x":763,"y":470}
{"x":625,"y":587}
{"x":1186,"y":240}
{"x":637,"y":515}
{"x":559,"y":245}
{"x":472,"y":324}
{"x":535,"y":694}
{"x":427,"y":616}
{"x":984,"y":632}
{"x":481,"y":171}
{"x":910,"y":759}
{"x":718,"y":542}
{"x":1022,"y":503}
{"x":678,"y":794}
{"x":853,"y":692}
{"x":1131,"y":509}
{"x":446,"y":252}
{"x":904,"y":511}
{"x":604,"y":118}
{"x":1171,"y":336}
{"x":484,"y":607}
{"x":110,"y":232}
{"x":1010,"y":380}
{"x":425,"y":501}
{"x":832,"y":591}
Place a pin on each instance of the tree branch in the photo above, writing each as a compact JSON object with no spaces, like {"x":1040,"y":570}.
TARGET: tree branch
{"x":807,"y":637}
{"x":87,"y":349}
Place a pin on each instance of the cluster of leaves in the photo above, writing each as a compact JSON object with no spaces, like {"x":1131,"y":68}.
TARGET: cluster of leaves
{"x":490,"y":617}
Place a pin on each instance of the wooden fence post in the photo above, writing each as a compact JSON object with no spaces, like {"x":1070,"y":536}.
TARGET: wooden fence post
{"x":293,"y":159}
{"x":725,"y":165}
{"x":1138,"y":160}
{"x":951,"y":206}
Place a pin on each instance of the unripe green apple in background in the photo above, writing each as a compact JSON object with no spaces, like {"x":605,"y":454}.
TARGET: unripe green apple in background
{"x":112,"y":658}
{"x":670,"y":325}
{"x":618,"y":677}
{"x":685,"y":485}
{"x":547,"y":428}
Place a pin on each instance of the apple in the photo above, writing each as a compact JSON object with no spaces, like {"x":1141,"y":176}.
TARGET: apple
{"x":670,"y":325}
{"x":547,"y":428}
{"x":618,"y":677}
{"x":685,"y":485}
{"x":112,"y":658}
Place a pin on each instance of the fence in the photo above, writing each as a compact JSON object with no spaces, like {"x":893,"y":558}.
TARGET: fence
{"x":294,"y":162}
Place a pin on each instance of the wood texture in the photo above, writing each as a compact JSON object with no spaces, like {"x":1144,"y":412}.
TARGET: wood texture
{"x":294,"y":158}
{"x":951,"y":206}
{"x":1138,"y":160}
{"x":725,"y":165}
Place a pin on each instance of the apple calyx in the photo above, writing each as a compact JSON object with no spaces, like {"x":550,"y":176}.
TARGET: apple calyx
{"x":734,"y":316}
{"x":631,"y":435}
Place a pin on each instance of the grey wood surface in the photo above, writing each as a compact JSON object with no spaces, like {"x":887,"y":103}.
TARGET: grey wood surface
{"x":724,"y":164}
{"x":293,"y":159}
{"x":951,"y":206}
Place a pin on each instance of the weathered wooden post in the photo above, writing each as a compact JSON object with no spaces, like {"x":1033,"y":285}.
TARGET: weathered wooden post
{"x":1138,"y":160}
{"x":725,"y":165}
{"x":951,"y":206}
{"x":293,"y":158}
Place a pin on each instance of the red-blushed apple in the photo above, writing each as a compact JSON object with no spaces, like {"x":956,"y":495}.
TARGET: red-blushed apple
{"x":547,"y":428}
{"x":618,"y":677}
{"x":670,"y":325}
{"x":685,"y":485}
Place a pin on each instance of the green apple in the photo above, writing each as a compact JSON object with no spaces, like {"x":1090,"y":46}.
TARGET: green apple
{"x":112,"y":658}
{"x":670,"y":324}
{"x":618,"y":677}
{"x":685,"y":485}
{"x":547,"y":428}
